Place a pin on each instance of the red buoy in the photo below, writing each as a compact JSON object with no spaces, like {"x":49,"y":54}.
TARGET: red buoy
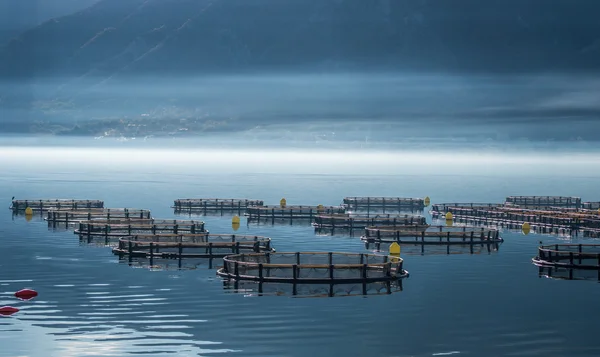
{"x":8,"y":310}
{"x":26,"y":294}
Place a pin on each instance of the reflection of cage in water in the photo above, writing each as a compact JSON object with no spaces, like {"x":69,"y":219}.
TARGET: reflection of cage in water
{"x":313,"y":268}
{"x":42,"y":205}
{"x":559,"y":273}
{"x":127,"y":227}
{"x":580,"y":256}
{"x":432,"y":235}
{"x":362,"y":221}
{"x":312,"y":290}
{"x":54,"y":216}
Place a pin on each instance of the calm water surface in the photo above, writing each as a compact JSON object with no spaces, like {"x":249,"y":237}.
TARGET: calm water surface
{"x":90,"y":304}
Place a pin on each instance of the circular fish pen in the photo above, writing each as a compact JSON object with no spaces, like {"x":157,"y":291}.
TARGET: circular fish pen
{"x":290,"y":212}
{"x":348,"y":221}
{"x":46,"y":204}
{"x":188,"y":246}
{"x":66,"y":216}
{"x":432,"y":235}
{"x":579,"y":256}
{"x":128,"y":227}
{"x":313,"y":268}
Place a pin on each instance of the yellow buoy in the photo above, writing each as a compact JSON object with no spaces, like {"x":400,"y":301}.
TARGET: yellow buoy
{"x":449,"y":216}
{"x":427,"y":201}
{"x":526,"y":228}
{"x":449,"y":222}
{"x":28,"y":211}
{"x":235,"y":226}
{"x":320,"y":208}
{"x":394,"y":249}
{"x":283,"y":203}
{"x":235,"y":220}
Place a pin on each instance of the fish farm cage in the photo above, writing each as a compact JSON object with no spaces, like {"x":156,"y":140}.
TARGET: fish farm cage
{"x":579,"y":256}
{"x":291,"y":212}
{"x":361,"y":221}
{"x":418,"y":248}
{"x":514,"y":225}
{"x":432,"y":235}
{"x":201,"y":205}
{"x":312,"y":268}
{"x":186,"y":246}
{"x":43,"y":205}
{"x":128,"y":227}
{"x":544,"y":201}
{"x":591,"y":205}
{"x":75,"y":215}
{"x":559,"y":273}
{"x":248,"y":287}
{"x":383,"y":203}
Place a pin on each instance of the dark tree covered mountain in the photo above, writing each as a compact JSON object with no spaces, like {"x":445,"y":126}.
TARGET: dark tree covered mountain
{"x":17,"y":16}
{"x":123,"y":37}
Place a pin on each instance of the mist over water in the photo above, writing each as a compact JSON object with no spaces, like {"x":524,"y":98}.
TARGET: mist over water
{"x":389,"y":107}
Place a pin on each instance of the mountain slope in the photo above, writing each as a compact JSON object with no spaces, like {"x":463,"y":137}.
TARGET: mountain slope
{"x":18,"y":16}
{"x":199,"y":36}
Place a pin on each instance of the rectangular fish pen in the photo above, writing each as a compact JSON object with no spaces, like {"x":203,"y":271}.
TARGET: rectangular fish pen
{"x":189,"y":246}
{"x":117,"y":228}
{"x":347,"y":221}
{"x":544,"y":201}
{"x":384,"y":203}
{"x":291,"y":212}
{"x":199,"y":205}
{"x":67,"y":216}
{"x":42,"y":205}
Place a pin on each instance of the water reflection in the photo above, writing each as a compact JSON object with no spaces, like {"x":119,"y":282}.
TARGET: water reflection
{"x":250,"y":288}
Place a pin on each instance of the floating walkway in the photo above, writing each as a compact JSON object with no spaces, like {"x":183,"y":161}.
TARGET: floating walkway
{"x":432,"y":235}
{"x":67,"y":216}
{"x":313,"y":268}
{"x":43,"y":205}
{"x":124,"y":227}
{"x":361,"y":221}
{"x":199,"y":205}
{"x":384,"y":203}
{"x":579,"y":256}
{"x":184,"y":246}
{"x":291,"y":212}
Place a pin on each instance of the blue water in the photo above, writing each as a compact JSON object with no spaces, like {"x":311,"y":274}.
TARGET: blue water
{"x":90,"y":304}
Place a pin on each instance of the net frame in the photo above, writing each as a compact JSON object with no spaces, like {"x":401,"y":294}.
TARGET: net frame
{"x":45,"y":204}
{"x":435,"y":235}
{"x":128,"y":227}
{"x":76,"y":215}
{"x":203,"y":245}
{"x":580,"y":256}
{"x":326,"y":268}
